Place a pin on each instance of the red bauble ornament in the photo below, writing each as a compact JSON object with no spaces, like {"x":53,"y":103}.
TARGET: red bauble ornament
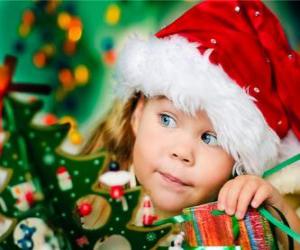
{"x":84,"y":209}
{"x":116,"y":192}
{"x":50,"y":119}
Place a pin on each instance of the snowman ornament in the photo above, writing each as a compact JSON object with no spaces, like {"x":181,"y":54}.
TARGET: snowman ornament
{"x":116,"y":179}
{"x":176,"y":244}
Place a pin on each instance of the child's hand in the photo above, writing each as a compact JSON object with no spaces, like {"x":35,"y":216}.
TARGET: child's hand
{"x":237,"y":194}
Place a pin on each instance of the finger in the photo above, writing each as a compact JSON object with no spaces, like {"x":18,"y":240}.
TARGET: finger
{"x":246,"y":195}
{"x":233,"y":195}
{"x":262,"y":194}
{"x":222,"y":195}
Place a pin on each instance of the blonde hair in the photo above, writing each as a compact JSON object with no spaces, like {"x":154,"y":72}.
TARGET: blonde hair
{"x":114,"y":133}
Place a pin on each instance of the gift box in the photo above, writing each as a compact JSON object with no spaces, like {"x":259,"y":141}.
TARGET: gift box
{"x":207,"y":226}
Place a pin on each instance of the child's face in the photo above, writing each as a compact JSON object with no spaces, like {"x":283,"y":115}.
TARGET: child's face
{"x":176,"y":156}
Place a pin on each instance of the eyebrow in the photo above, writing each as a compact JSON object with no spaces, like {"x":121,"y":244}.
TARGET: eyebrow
{"x":160,"y":97}
{"x":167,"y":103}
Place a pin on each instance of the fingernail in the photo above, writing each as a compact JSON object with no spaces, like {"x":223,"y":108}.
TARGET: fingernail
{"x":220,"y":206}
{"x":239,"y":215}
{"x":230,"y":212}
{"x":254,"y":204}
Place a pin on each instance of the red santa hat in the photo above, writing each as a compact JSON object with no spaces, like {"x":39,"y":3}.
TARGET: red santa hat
{"x":232,"y":59}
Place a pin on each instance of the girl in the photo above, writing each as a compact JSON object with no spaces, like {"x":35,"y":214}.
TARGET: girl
{"x":210,"y":97}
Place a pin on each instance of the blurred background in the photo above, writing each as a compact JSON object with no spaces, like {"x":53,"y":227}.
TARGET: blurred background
{"x":72,"y":46}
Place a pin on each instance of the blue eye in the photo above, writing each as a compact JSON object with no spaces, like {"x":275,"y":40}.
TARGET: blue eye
{"x":209,"y":139}
{"x":167,"y":121}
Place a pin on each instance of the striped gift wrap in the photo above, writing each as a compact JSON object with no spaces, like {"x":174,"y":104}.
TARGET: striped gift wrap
{"x":208,"y":228}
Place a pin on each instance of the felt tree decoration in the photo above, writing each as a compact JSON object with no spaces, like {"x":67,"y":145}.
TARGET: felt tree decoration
{"x":86,"y":210}
{"x":83,"y":207}
{"x":24,"y":214}
{"x":53,"y":200}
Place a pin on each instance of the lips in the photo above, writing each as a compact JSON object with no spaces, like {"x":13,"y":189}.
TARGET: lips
{"x":173,"y":179}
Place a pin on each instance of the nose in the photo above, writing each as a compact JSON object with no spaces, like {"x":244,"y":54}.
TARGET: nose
{"x":183,"y":153}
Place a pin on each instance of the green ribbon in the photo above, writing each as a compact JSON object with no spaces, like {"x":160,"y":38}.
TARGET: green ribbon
{"x":279,"y":224}
{"x":173,"y":220}
{"x":234,"y":220}
{"x":266,"y":213}
{"x":281,"y":165}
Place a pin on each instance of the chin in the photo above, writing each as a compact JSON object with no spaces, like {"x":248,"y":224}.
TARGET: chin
{"x":165,"y":206}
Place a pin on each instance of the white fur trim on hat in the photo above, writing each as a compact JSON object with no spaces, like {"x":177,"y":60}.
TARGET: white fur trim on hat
{"x":175,"y":68}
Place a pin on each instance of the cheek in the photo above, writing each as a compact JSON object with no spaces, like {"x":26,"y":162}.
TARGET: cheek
{"x":139,"y":169}
{"x":141,"y":161}
{"x":216,"y":170}
{"x":137,"y":158}
{"x":148,"y":143}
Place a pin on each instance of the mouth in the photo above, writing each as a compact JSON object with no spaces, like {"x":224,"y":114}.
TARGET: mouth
{"x":173,"y":180}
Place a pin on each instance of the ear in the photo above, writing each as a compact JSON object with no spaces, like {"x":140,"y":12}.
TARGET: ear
{"x":137,"y":114}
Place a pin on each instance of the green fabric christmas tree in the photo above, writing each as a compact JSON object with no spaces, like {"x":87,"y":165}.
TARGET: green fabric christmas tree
{"x":24,"y":212}
{"x":53,"y":199}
